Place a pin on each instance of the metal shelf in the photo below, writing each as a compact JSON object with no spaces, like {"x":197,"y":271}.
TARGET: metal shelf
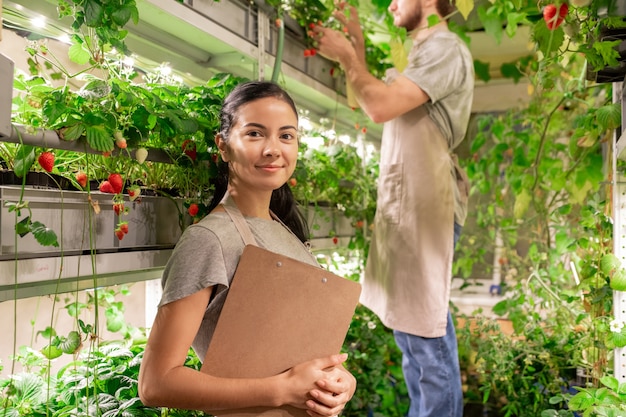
{"x":204,"y":37}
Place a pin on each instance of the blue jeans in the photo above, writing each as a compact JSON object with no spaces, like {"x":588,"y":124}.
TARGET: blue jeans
{"x":431,"y":370}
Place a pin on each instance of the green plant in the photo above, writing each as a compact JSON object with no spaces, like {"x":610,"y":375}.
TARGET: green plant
{"x":102,"y":381}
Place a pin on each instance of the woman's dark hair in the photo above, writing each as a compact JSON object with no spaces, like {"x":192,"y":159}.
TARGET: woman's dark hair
{"x":283,"y":203}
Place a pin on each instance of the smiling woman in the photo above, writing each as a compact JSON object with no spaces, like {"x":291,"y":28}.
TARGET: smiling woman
{"x":259,"y":148}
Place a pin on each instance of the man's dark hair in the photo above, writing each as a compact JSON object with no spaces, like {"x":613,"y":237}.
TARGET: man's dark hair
{"x":445,"y":7}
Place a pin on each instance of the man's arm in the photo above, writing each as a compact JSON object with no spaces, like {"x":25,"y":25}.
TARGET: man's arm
{"x":381,"y":102}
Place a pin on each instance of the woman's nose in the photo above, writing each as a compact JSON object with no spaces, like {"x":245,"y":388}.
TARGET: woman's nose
{"x":272,"y":148}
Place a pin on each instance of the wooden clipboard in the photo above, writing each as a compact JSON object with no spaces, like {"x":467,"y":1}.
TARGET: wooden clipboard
{"x":279,"y":312}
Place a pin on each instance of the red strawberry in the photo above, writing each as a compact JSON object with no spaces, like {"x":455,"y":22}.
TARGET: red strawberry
{"x":293,"y":182}
{"x":124,"y":228}
{"x":106,"y":187}
{"x":81,"y":179}
{"x":335,"y":240}
{"x":552,"y":18}
{"x":119,"y":233}
{"x":189,"y":148}
{"x":193,"y":209}
{"x":117,"y":183}
{"x":46,"y":161}
{"x":118,"y":208}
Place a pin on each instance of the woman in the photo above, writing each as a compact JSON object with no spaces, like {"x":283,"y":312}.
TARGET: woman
{"x":258,"y":144}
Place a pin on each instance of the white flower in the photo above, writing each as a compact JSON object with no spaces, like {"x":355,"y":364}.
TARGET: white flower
{"x":371,"y":325}
{"x":616,"y":326}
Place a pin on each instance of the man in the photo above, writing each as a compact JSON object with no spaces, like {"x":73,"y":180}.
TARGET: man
{"x":422,"y":192}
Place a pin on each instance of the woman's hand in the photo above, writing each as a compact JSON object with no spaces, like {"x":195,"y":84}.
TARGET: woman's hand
{"x":333,"y":393}
{"x":321,"y":386}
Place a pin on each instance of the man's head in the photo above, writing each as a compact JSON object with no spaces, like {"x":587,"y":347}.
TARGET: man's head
{"x":411,"y":14}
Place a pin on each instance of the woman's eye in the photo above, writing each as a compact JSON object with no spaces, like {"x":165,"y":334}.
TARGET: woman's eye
{"x":288,"y":136}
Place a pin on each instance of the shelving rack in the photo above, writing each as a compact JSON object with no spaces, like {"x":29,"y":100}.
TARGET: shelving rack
{"x":198,"y":38}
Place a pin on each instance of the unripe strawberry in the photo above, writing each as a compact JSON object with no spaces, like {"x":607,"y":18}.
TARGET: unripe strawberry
{"x":141,"y":154}
{"x":133,"y":191}
{"x":46,"y":161}
{"x":120,"y":140}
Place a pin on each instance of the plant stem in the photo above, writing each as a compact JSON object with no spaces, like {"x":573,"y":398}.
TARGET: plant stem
{"x":279,"y":48}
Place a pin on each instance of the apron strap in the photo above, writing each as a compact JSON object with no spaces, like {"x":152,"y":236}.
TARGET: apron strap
{"x":240,"y":222}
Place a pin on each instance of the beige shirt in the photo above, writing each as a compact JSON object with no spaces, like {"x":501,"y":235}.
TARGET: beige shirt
{"x":409,"y":267}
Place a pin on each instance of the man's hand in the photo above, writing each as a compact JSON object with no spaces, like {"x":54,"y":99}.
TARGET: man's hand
{"x":333,"y":44}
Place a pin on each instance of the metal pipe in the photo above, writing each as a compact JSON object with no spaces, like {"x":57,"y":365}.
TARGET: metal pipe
{"x":50,"y":139}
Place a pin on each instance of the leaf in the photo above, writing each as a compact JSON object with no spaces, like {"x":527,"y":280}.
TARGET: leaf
{"x":609,"y":263}
{"x":465,"y":7}
{"x":548,"y":41}
{"x":618,"y":280}
{"x":78,"y":54}
{"x":122,"y":15}
{"x":94,"y":13}
{"x":98,"y":138}
{"x":510,"y":70}
{"x":24,"y":160}
{"x":522,"y":201}
{"x":513,"y":21}
{"x":609,"y":116}
{"x":71,"y":344}
{"x":482,"y":70}
{"x":72,"y":133}
{"x":399,"y":56}
{"x":43,"y":235}
{"x":115,"y":319}
{"x":491,"y":22}
{"x":51,"y":352}
{"x":619,"y":339}
{"x":608,"y":51}
{"x":581,"y":401}
{"x":47,"y":333}
{"x":22,"y":228}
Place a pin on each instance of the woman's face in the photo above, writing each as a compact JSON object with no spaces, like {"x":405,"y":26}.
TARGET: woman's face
{"x":262,"y":148}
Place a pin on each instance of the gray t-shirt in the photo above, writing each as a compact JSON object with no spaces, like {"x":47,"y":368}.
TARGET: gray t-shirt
{"x":207,"y":255}
{"x":450,"y":92}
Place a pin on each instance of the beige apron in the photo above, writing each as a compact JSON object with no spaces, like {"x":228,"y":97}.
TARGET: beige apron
{"x":409,"y":268}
